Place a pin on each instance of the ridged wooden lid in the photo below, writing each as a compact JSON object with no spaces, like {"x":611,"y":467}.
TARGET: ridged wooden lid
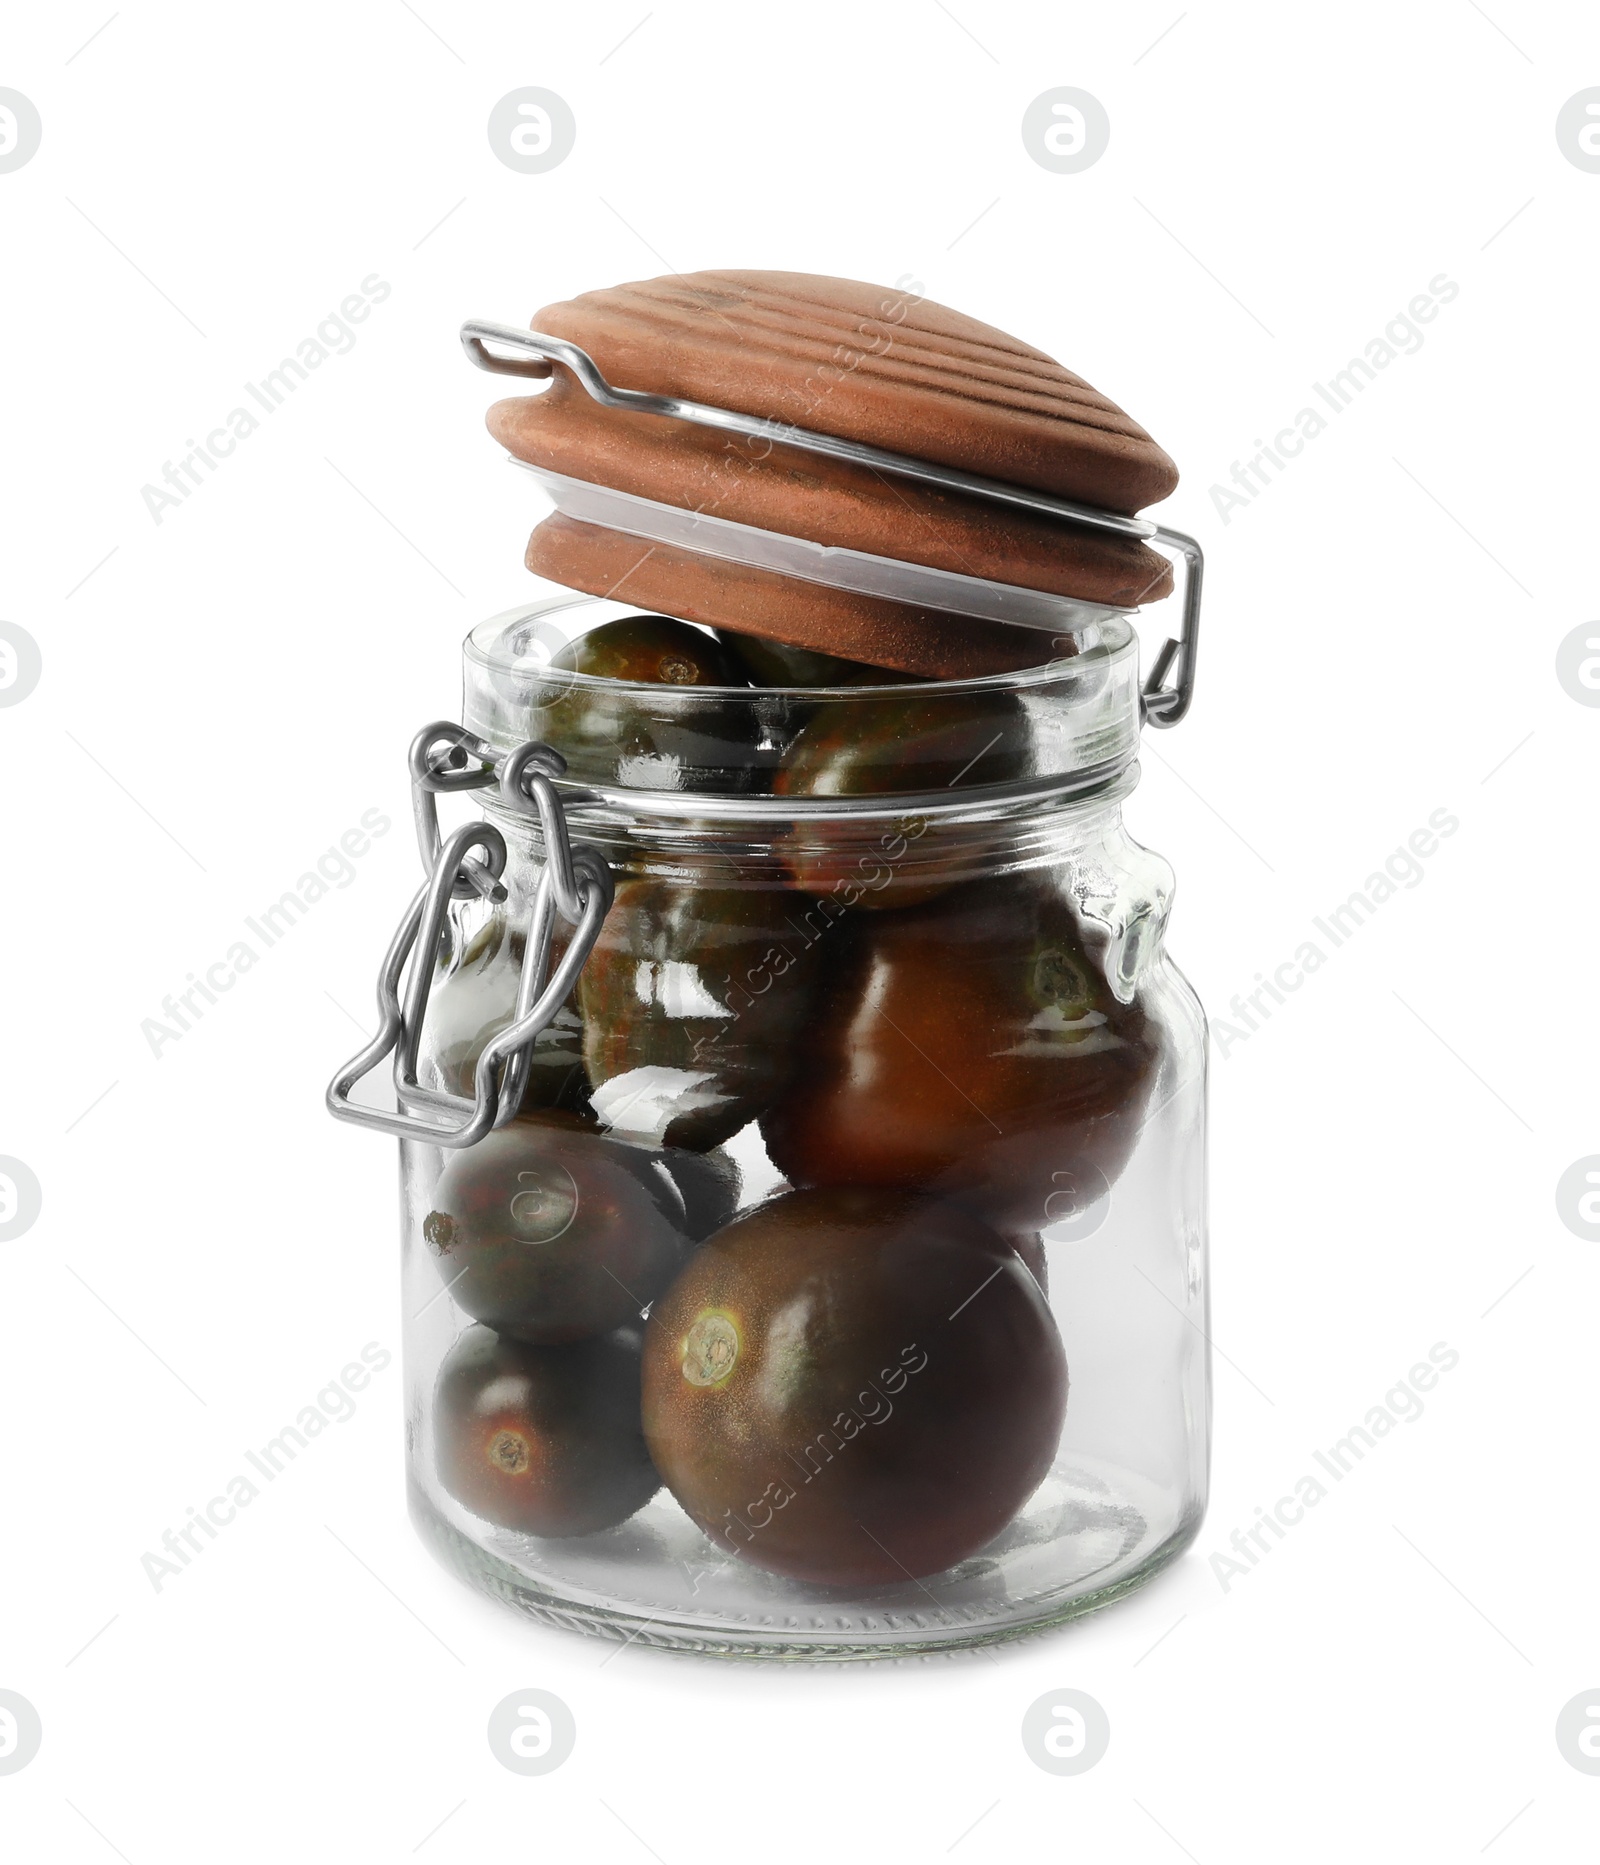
{"x":869,"y":363}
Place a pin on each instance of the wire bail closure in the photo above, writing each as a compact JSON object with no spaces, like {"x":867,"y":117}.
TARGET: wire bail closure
{"x":575,"y":883}
{"x":536,"y":354}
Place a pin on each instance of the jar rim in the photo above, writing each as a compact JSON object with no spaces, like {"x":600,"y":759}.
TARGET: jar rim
{"x":718,"y":749}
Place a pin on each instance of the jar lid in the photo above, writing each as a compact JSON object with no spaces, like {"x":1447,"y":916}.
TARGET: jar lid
{"x":873,"y":364}
{"x":893,"y":376}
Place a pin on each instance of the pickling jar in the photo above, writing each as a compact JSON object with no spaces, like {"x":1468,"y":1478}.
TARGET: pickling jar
{"x":802,"y":1134}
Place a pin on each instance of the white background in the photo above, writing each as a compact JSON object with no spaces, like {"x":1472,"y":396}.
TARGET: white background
{"x":226,"y":692}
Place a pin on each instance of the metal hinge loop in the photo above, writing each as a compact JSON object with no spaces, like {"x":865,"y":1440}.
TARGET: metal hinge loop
{"x":575,"y":883}
{"x":439,"y":761}
{"x":1160,"y":704}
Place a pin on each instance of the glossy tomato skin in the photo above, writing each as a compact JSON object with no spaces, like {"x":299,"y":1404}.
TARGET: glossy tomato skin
{"x":854,"y":1387}
{"x":671,"y":740}
{"x":545,"y":1440}
{"x":968,"y":1045}
{"x":549,"y":1231}
{"x":651,"y":650}
{"x":694,"y":999}
{"x":912,"y":744}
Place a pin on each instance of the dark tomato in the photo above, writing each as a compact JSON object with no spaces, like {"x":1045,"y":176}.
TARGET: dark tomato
{"x":919,"y":743}
{"x":544,"y":1439}
{"x":674,"y":738}
{"x":549,"y":1231}
{"x":854,"y":1388}
{"x":972,"y":1045}
{"x":652,"y":650}
{"x":694,"y":1000}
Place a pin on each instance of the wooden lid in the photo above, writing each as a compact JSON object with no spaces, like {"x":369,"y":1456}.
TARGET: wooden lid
{"x":869,"y":363}
{"x":865,"y":363}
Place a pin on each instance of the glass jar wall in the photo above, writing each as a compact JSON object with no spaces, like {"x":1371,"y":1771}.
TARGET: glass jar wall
{"x":838,"y":1288}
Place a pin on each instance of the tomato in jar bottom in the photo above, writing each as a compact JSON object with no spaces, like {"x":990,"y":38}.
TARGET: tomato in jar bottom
{"x":853,"y":1387}
{"x":544,"y":1440}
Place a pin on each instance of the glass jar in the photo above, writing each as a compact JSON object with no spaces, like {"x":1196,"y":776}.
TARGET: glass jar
{"x":838,"y":1288}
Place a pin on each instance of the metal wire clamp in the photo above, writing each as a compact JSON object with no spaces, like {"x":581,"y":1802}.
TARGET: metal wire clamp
{"x":575,"y":883}
{"x":1162,"y":704}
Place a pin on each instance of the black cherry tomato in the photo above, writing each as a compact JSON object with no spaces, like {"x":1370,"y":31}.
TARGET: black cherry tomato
{"x":970,"y":1045}
{"x":855,"y":1388}
{"x":545,"y":1440}
{"x":549,"y":1231}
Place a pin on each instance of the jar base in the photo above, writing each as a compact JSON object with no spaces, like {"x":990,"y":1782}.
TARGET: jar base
{"x":1104,"y":1535}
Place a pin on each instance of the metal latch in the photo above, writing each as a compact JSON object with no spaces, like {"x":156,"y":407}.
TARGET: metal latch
{"x":575,"y":882}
